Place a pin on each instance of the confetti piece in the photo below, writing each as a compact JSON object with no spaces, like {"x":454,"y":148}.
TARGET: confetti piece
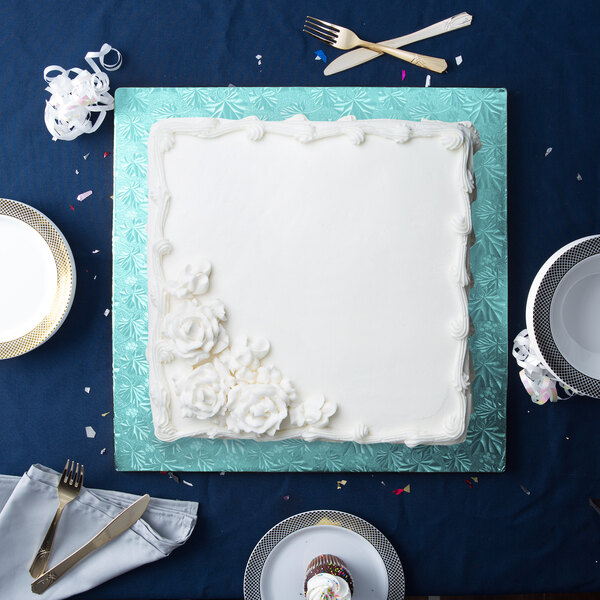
{"x":525,"y":490}
{"x":95,"y":277}
{"x":95,"y":251}
{"x":72,"y":207}
{"x":579,"y":177}
{"x":222,"y":473}
{"x":103,"y":451}
{"x":458,"y":60}
{"x":341,"y":483}
{"x":106,"y":414}
{"x":187,"y":483}
{"x":403,"y":74}
{"x":383,"y":483}
{"x":320,"y":55}
{"x":87,"y":390}
{"x":85,"y":156}
{"x":76,"y":171}
{"x":402,"y":490}
{"x":286,"y":498}
{"x":475,"y":479}
{"x":81,"y":197}
{"x":548,"y":150}
{"x":106,"y":154}
{"x":259,"y":59}
{"x":428,"y":81}
{"x":173,"y":476}
{"x":230,"y":85}
{"x":469,"y":484}
{"x":106,"y":312}
{"x":89,"y":431}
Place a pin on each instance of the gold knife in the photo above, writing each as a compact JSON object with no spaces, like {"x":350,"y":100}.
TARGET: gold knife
{"x":123,"y":521}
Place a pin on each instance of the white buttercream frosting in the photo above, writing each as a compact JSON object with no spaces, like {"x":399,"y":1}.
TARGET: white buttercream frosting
{"x":324,"y":586}
{"x":196,"y":331}
{"x":374,"y":385}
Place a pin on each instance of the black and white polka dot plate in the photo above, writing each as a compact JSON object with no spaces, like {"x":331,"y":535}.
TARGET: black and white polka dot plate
{"x":563,"y":315}
{"x":277,"y":566}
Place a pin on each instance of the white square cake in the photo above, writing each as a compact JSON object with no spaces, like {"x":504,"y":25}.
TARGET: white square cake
{"x":310,"y":280}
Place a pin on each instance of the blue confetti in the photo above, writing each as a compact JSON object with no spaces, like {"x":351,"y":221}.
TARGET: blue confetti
{"x":321,"y":55}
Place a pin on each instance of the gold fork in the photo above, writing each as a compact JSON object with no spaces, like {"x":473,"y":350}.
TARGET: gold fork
{"x":69,"y":486}
{"x":345,"y":39}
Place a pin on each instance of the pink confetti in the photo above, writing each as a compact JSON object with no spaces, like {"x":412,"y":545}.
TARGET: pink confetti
{"x":286,"y":498}
{"x":403,"y":74}
{"x":71,"y":207}
{"x":106,"y":154}
{"x":84,"y":195}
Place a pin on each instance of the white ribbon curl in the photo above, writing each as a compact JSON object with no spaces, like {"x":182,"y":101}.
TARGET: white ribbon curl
{"x":73,"y":100}
{"x":537,"y":380}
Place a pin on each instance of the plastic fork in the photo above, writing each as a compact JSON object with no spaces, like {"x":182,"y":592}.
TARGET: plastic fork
{"x":69,"y":487}
{"x":345,"y":39}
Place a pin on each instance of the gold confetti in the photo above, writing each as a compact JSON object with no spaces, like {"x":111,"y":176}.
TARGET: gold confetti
{"x":475,"y":479}
{"x":106,"y":413}
{"x":341,"y":483}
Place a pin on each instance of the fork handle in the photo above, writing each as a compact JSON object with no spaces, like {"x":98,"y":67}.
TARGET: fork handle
{"x":439,"y":65}
{"x":38,"y":566}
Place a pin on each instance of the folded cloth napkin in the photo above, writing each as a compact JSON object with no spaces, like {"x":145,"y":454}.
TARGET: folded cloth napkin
{"x":27,"y":506}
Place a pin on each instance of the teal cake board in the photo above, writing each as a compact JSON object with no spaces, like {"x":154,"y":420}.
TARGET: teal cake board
{"x":136,"y":447}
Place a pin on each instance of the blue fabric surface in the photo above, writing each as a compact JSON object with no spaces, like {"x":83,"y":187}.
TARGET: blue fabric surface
{"x":452,"y":538}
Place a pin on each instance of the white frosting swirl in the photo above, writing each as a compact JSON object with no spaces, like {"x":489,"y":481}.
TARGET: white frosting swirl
{"x":314,"y":411}
{"x":203,"y":392}
{"x":193,"y":282}
{"x":197,"y":331}
{"x":327,"y":587}
{"x":257,"y":408}
{"x":244,"y":356}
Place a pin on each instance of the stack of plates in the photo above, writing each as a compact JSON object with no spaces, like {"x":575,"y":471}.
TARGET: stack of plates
{"x":563,"y":315}
{"x":37,"y":275}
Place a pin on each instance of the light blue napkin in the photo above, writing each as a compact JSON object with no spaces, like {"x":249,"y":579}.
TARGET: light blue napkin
{"x":28,"y":504}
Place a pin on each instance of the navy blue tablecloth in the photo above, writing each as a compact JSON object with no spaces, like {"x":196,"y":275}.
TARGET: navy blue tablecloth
{"x":453,"y":536}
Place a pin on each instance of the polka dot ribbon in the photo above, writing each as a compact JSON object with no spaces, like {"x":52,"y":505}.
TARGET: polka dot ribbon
{"x":537,"y":380}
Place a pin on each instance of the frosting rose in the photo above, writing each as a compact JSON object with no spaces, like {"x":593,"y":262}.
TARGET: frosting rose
{"x":193,"y":282}
{"x":244,"y":356}
{"x":314,"y":411}
{"x":327,"y":587}
{"x":196,"y":331}
{"x":256,"y":408}
{"x":203,"y":392}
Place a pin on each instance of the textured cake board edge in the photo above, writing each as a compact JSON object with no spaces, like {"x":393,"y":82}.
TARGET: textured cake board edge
{"x":136,"y":110}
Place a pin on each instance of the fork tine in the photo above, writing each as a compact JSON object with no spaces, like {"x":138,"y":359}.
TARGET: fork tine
{"x":320,"y":30}
{"x":79,"y":482}
{"x":70,"y":475}
{"x":75,"y":475}
{"x":324,"y":24}
{"x":65,"y":471}
{"x":318,"y":35}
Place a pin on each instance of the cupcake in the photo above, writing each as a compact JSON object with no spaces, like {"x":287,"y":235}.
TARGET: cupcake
{"x":327,"y":578}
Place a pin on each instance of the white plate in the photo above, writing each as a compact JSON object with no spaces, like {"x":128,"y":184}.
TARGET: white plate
{"x":277,"y":565}
{"x":563,"y":315}
{"x":37,"y":276}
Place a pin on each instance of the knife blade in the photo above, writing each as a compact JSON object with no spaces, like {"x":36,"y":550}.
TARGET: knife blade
{"x":123,"y":521}
{"x":362,"y":55}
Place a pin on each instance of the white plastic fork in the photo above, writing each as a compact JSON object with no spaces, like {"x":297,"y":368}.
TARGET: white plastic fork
{"x":345,"y":39}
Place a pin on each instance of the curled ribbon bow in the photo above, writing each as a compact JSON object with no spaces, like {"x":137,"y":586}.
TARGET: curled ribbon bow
{"x":73,"y":100}
{"x":537,"y":380}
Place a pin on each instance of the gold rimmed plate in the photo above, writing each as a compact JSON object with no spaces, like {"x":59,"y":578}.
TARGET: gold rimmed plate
{"x":37,"y":275}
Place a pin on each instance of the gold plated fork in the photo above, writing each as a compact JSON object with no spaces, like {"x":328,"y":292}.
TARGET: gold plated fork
{"x":69,"y":487}
{"x":345,"y":39}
